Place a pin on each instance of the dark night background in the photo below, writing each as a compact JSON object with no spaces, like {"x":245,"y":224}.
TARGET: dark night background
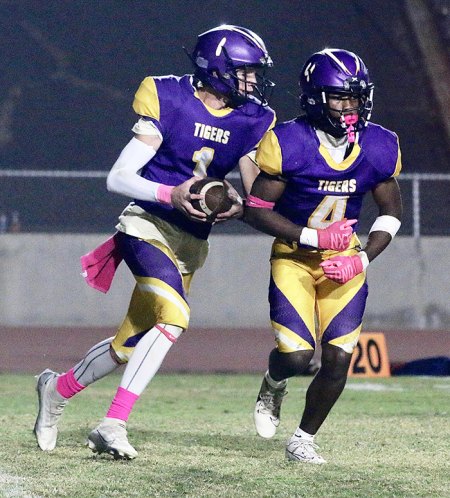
{"x":70,"y":70}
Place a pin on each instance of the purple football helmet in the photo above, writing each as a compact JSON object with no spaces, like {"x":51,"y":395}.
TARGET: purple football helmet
{"x":338,"y":72}
{"x":220,"y":51}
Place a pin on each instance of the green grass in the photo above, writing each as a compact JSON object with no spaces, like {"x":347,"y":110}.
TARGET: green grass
{"x":195,"y":437}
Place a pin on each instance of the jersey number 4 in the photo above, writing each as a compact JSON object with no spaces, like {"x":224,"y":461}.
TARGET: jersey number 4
{"x":331,"y":209}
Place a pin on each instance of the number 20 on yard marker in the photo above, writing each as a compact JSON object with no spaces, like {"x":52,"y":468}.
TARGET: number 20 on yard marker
{"x":370,"y":357}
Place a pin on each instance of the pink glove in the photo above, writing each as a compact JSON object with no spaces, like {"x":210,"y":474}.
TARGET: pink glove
{"x":341,"y":269}
{"x":337,"y":236}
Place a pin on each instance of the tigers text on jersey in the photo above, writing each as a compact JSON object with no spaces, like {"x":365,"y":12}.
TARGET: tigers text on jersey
{"x":211,"y":133}
{"x":197,"y":140}
{"x":318,"y":190}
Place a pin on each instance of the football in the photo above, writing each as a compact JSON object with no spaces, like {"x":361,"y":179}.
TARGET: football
{"x":216,"y":198}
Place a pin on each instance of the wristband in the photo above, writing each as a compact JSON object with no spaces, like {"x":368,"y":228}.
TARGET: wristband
{"x":364,"y":259}
{"x":164,"y":194}
{"x":309,"y":237}
{"x":386,"y":223}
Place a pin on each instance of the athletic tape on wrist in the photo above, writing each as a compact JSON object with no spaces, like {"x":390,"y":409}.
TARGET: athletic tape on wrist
{"x":364,"y":259}
{"x":386,"y":223}
{"x":309,"y":237}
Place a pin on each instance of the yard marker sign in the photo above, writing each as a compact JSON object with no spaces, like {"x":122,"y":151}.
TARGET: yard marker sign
{"x":370,"y":357}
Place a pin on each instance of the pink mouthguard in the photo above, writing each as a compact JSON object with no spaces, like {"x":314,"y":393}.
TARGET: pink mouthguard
{"x":350,"y":120}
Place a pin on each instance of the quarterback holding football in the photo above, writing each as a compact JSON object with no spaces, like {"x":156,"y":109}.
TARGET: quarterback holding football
{"x":189,"y":127}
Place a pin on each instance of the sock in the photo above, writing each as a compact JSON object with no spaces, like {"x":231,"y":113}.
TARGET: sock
{"x":142,"y":366}
{"x":147,"y":357}
{"x":96,"y":364}
{"x":67,"y":386}
{"x":122,"y":404}
{"x":303,"y":435}
{"x":275,"y":383}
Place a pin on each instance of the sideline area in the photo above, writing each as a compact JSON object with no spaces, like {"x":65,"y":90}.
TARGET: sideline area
{"x":208,"y":350}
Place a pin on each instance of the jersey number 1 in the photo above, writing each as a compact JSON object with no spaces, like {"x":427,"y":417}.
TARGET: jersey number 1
{"x":202,"y":159}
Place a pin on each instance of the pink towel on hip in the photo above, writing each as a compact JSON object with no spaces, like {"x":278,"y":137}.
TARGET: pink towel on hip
{"x":99,"y":265}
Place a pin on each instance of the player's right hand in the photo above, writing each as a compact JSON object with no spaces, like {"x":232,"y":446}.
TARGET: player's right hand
{"x":341,"y":269}
{"x":237,"y":208}
{"x":337,"y":236}
{"x":182,"y":197}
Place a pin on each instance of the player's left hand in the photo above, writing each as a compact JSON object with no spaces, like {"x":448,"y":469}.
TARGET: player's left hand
{"x":236,"y":210}
{"x":341,"y":269}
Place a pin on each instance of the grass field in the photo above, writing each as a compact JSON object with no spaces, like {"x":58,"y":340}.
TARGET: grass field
{"x":195,"y":437}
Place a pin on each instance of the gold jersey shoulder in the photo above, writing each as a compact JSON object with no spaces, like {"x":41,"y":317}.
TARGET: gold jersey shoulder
{"x":398,"y":165}
{"x":268,"y":154}
{"x":146,"y":100}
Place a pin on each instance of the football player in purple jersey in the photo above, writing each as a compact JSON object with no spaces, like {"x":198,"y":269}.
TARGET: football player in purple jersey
{"x":315,"y":171}
{"x":188,"y":128}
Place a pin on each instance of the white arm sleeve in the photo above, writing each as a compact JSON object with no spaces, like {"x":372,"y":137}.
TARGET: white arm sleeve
{"x":123,"y":177}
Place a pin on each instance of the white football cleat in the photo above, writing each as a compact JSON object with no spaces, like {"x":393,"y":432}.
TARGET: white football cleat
{"x":267,"y":409}
{"x":299,"y":450}
{"x":51,"y":406}
{"x":111,"y":437}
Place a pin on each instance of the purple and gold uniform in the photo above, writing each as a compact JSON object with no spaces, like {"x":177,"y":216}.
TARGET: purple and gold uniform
{"x":196,"y":140}
{"x":320,"y":191}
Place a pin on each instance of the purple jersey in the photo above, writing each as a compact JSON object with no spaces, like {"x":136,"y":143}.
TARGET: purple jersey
{"x":318,"y":190}
{"x":197,"y":140}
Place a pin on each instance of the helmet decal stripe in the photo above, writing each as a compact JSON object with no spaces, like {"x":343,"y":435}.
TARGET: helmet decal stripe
{"x":253,"y":37}
{"x":220,"y":46}
{"x":308,"y":71}
{"x":250,"y":35}
{"x":338,"y":62}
